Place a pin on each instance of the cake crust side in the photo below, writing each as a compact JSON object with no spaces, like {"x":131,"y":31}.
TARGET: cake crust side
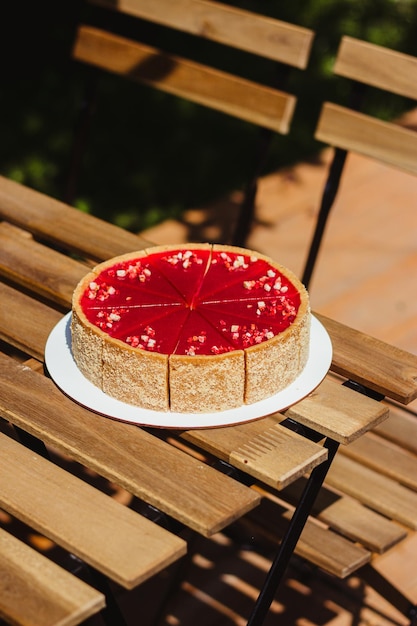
{"x":273,"y":365}
{"x":87,"y":340}
{"x":203,"y":384}
{"x":135,"y":376}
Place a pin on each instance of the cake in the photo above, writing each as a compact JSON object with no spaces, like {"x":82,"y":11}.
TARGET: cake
{"x":199,"y":328}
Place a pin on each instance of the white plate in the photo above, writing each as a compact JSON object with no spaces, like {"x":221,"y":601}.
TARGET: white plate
{"x":64,"y":371}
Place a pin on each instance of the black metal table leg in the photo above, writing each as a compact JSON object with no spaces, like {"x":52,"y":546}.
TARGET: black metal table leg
{"x":291,"y":537}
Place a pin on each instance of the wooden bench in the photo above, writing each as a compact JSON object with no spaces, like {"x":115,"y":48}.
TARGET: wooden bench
{"x":209,"y":83}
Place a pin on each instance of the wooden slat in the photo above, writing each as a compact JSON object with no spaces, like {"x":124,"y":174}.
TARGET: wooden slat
{"x":58,"y":223}
{"x":25,"y":323}
{"x":330,"y":551}
{"x":258,"y":34}
{"x":263,"y":448}
{"x":317,"y":544}
{"x":184,"y":488}
{"x":401,"y":429}
{"x":371,"y":362}
{"x":374,"y":490}
{"x":358,"y":523}
{"x":378,"y":66}
{"x":350,"y":518}
{"x":38,"y":268}
{"x":385,"y":141}
{"x":386,"y":458}
{"x":35,"y":591}
{"x":338,"y":412}
{"x":82,"y":519}
{"x":235,"y":96}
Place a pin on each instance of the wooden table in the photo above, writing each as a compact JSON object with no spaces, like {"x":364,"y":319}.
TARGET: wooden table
{"x":45,"y":248}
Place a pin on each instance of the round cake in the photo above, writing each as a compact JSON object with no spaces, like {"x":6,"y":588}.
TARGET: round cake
{"x":201,"y":328}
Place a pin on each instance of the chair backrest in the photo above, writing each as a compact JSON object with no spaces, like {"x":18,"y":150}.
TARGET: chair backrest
{"x":262,"y":105}
{"x":347,"y":129}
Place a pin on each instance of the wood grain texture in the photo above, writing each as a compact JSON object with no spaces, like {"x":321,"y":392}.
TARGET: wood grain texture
{"x":359,"y":524}
{"x":338,"y":412}
{"x":372,"y":362}
{"x":318,"y":544}
{"x":374,"y":490}
{"x":385,"y":457}
{"x":58,"y":223}
{"x":378,"y":66}
{"x":224,"y":92}
{"x":361,"y":133}
{"x":123,"y":545}
{"x":350,"y":518}
{"x":184,"y":488}
{"x":25,"y":323}
{"x":401,"y":429}
{"x":34,"y":591}
{"x":38,"y":268}
{"x":330,"y":551}
{"x":263,"y":448}
{"x":249,"y":31}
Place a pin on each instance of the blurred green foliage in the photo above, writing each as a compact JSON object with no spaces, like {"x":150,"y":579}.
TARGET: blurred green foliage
{"x":150,"y":155}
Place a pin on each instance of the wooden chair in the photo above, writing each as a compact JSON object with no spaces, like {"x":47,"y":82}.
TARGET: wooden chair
{"x":352,"y":525}
{"x":347,"y":130}
{"x":266,"y":107}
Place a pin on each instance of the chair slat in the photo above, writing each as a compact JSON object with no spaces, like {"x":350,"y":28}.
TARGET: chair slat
{"x":338,"y":412}
{"x":245,"y":30}
{"x":317,"y":544}
{"x":25,"y":323}
{"x":229,"y":94}
{"x":385,"y":141}
{"x":371,"y":362}
{"x":330,"y":551}
{"x":50,"y":499}
{"x":351,"y":518}
{"x":36,"y":591}
{"x":37,"y":268}
{"x":374,"y":490}
{"x":378,"y":66}
{"x":60,"y":224}
{"x":386,"y":458}
{"x":401,"y":429}
{"x":266,"y":450}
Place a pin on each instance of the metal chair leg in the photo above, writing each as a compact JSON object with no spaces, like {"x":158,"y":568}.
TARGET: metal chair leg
{"x":287,"y":546}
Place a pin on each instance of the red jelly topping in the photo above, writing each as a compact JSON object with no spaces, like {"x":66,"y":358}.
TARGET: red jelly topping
{"x":191,"y":302}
